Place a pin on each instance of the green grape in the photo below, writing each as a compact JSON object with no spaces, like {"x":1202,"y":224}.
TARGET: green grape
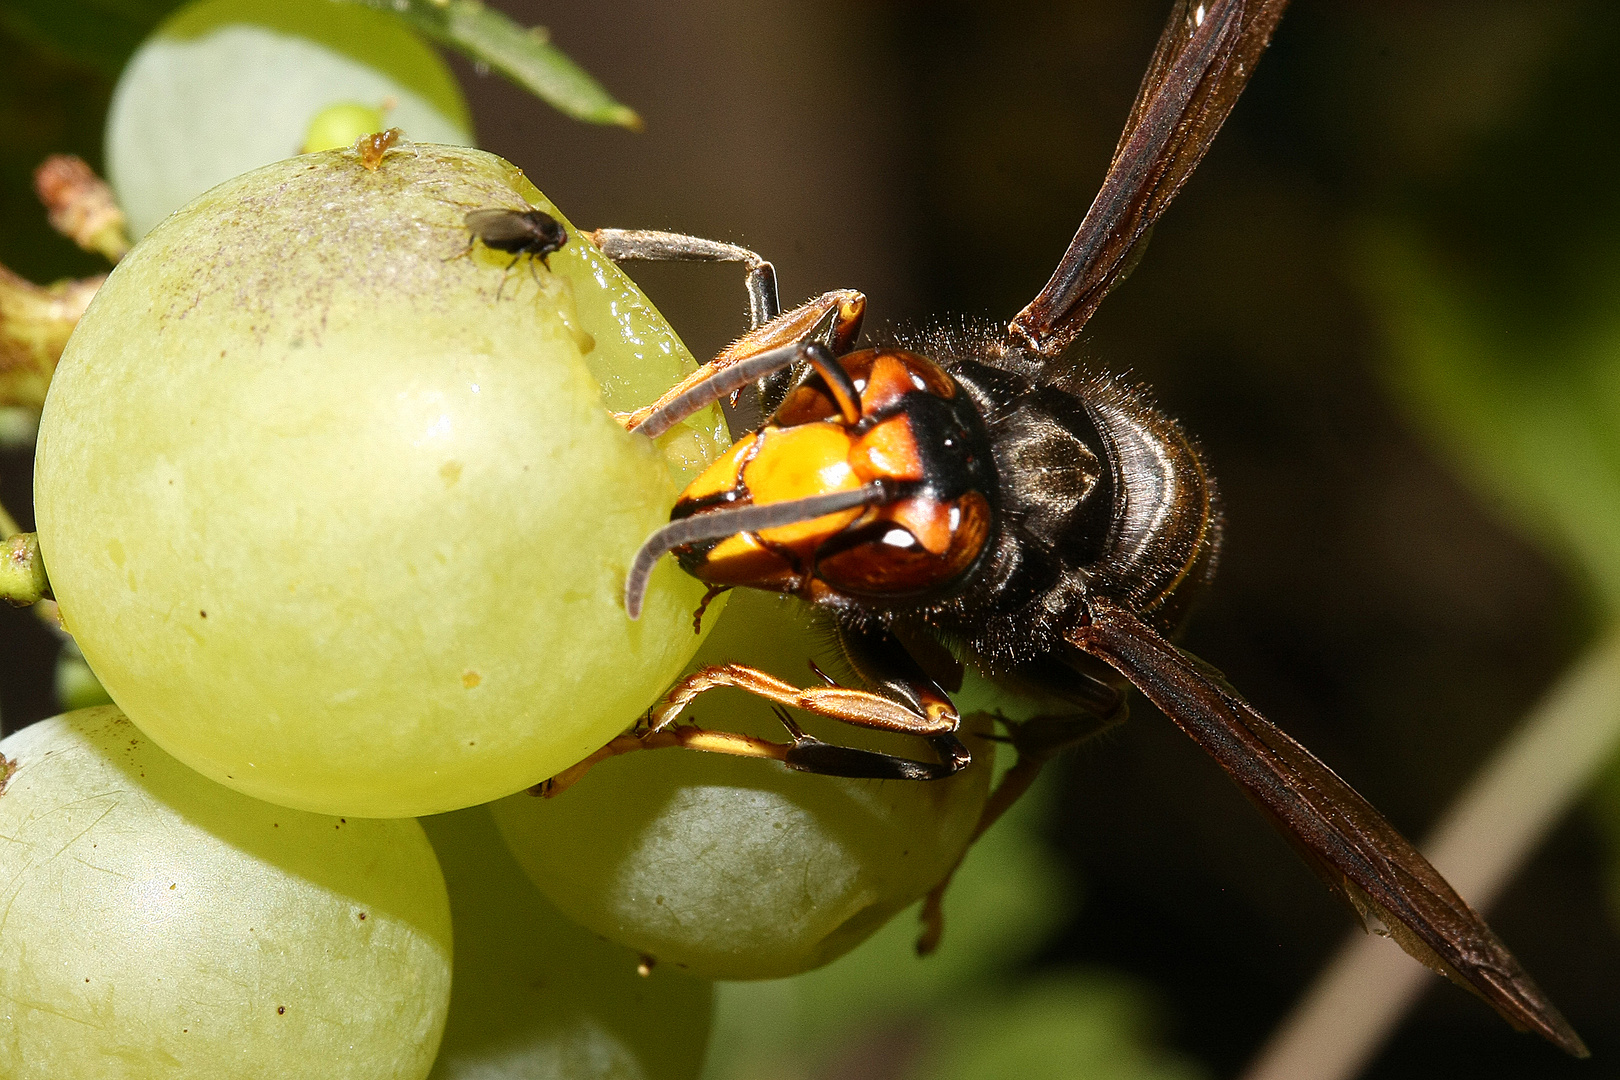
{"x":161,"y":927}
{"x":76,"y":685}
{"x":337,"y":126}
{"x":737,"y":868}
{"x":537,"y":997}
{"x":224,"y":86}
{"x":330,"y":502}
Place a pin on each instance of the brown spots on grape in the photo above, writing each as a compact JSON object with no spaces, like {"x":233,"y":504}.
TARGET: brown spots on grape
{"x":471,"y":678}
{"x":645,"y":965}
{"x":450,"y":472}
{"x":202,"y":614}
{"x":360,"y":915}
{"x":8,"y":769}
{"x":281,"y":1010}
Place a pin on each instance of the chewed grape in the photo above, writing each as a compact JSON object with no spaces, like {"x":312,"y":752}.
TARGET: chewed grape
{"x":330,"y":500}
{"x":736,"y":868}
{"x":158,"y":924}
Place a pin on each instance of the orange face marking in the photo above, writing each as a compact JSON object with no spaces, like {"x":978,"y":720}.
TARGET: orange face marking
{"x":926,"y":520}
{"x":805,"y":405}
{"x":723,"y":474}
{"x":879,"y":568}
{"x":887,"y":451}
{"x":886,"y":383}
{"x":808,"y":449}
{"x":743,"y":560}
{"x":796,"y":463}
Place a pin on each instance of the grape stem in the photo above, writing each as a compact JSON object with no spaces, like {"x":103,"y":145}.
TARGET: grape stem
{"x":22,"y":571}
{"x":35,"y":321}
{"x":81,"y":205}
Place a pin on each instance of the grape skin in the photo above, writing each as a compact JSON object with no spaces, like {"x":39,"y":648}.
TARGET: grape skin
{"x":736,"y":868}
{"x":537,"y":997}
{"x":159,"y":925}
{"x":331,"y":503}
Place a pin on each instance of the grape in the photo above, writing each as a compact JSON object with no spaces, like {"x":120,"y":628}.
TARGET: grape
{"x":537,"y":997}
{"x":737,"y":868}
{"x":224,"y":86}
{"x":330,"y":502}
{"x":341,"y":125}
{"x":159,"y":925}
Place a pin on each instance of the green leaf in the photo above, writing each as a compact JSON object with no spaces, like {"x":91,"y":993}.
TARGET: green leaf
{"x":526,"y":56}
{"x":102,"y":34}
{"x":1532,"y":418}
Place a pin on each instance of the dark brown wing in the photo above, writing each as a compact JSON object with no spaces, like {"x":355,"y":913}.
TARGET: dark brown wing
{"x":498,"y":228}
{"x":1203,"y":61}
{"x":1340,"y":833}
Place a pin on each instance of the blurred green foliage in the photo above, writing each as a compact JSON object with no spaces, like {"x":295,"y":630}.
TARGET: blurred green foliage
{"x":48,"y":104}
{"x":1531,"y":414}
{"x":964,"y":1013}
{"x":97,"y":35}
{"x":1527,"y":407}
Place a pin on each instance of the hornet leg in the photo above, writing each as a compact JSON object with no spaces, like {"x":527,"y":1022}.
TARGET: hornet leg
{"x":906,"y":701}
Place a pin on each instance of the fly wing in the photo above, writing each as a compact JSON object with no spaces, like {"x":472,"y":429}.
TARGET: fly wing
{"x":1202,"y":62}
{"x":1347,"y":841}
{"x":502,"y":229}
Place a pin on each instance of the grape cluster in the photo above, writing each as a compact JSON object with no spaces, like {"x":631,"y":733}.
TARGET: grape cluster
{"x":330,"y":501}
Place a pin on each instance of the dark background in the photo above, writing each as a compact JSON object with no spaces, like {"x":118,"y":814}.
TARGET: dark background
{"x":938,"y":156}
